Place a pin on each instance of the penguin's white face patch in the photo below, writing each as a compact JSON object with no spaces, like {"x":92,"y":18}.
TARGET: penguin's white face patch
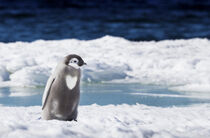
{"x":71,"y":81}
{"x":74,"y":63}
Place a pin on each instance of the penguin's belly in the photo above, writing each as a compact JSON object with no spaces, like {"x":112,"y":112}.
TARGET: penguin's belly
{"x":65,"y":98}
{"x":61,"y":110}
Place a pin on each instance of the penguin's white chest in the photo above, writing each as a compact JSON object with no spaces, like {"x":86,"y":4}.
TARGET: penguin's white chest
{"x":71,"y":81}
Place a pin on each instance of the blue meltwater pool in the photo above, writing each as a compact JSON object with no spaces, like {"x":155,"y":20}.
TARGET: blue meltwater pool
{"x":104,"y":94}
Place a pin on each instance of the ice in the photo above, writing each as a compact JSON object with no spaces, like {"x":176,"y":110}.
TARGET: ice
{"x":182,"y":65}
{"x":193,"y":95}
{"x":4,"y":74}
{"x":109,"y":121}
{"x":30,"y":76}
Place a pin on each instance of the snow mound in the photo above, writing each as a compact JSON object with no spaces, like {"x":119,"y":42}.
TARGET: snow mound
{"x":109,"y":121}
{"x":182,"y":65}
{"x":4,"y":74}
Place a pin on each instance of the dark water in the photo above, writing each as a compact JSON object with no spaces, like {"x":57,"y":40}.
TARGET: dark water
{"x":29,"y":20}
{"x":104,"y":94}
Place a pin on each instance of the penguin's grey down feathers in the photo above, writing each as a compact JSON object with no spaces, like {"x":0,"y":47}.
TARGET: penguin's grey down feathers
{"x":62,"y":92}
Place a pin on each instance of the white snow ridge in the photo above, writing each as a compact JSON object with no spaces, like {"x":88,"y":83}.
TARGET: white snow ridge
{"x":120,"y":121}
{"x":178,"y":64}
{"x":183,"y":65}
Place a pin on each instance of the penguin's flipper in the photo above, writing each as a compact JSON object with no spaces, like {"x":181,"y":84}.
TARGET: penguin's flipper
{"x":47,"y":90}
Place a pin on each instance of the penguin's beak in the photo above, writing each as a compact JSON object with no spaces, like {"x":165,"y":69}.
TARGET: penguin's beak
{"x":84,"y":63}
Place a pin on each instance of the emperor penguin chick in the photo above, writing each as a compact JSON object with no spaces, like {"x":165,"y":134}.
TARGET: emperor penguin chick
{"x":62,"y":92}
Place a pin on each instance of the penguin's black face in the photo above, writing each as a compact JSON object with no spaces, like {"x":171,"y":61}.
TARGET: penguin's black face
{"x":73,"y":60}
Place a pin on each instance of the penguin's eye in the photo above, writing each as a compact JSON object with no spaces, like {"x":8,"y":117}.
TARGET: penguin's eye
{"x":74,"y":60}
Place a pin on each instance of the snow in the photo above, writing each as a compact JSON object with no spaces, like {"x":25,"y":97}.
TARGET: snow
{"x":4,"y":75}
{"x":182,"y":65}
{"x":109,"y":121}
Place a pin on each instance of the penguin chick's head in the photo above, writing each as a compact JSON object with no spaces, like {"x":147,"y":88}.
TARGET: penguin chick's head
{"x":74,"y":61}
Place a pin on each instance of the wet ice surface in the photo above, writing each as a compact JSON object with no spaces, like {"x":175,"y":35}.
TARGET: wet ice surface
{"x":104,"y":94}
